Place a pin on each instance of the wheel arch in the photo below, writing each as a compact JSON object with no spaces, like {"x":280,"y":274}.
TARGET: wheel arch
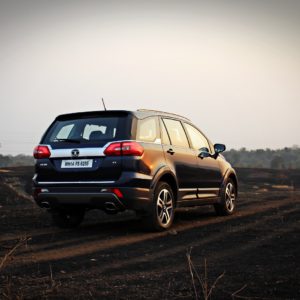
{"x":166,"y":175}
{"x":232,"y":175}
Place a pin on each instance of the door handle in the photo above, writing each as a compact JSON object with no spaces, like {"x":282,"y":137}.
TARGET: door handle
{"x":171,"y":151}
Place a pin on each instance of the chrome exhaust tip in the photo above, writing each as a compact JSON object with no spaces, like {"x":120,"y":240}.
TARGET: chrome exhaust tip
{"x":45,"y":204}
{"x":110,"y":207}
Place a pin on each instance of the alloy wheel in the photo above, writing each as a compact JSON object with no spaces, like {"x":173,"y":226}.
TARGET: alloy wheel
{"x":164,"y":207}
{"x":230,"y":197}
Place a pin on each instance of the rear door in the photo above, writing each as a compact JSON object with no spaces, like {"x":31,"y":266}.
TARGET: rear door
{"x":77,"y":145}
{"x":180,"y":157}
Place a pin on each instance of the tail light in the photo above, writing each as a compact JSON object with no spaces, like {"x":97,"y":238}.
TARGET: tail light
{"x":132,"y":148}
{"x":113,"y":149}
{"x":124,"y":148}
{"x":41,"y":152}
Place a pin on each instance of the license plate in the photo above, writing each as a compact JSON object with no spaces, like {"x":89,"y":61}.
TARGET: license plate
{"x":78,"y":163}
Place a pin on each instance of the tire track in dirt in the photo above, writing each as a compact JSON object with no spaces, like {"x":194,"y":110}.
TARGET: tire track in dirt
{"x":134,"y":271}
{"x":100,"y":245}
{"x":147,"y":271}
{"x":181,"y":249}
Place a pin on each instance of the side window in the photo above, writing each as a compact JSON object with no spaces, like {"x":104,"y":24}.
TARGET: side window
{"x":147,"y":130}
{"x":164,"y":135}
{"x":176,"y":132}
{"x":197,"y":138}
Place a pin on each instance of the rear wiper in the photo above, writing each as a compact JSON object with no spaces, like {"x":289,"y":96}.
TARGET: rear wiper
{"x":68,"y":141}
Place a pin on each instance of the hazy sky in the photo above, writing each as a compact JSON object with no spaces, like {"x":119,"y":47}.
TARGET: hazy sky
{"x":232,"y":67}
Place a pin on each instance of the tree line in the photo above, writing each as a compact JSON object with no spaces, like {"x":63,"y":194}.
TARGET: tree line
{"x":286,"y":158}
{"x":16,"y":161}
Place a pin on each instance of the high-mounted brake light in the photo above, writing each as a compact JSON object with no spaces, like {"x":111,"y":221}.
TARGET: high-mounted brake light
{"x":41,"y":152}
{"x":124,"y":148}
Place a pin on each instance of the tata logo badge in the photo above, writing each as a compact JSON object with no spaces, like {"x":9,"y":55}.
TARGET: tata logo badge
{"x":75,"y":153}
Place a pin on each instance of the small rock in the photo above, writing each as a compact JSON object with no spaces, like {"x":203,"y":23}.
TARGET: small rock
{"x":172,"y":232}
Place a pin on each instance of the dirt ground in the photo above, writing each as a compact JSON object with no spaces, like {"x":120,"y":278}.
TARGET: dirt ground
{"x":254,"y":253}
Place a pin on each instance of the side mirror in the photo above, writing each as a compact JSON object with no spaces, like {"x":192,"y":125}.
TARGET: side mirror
{"x":219,"y":148}
{"x":204,"y":154}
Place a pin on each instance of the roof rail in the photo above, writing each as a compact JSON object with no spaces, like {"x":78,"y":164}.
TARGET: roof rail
{"x":163,"y":112}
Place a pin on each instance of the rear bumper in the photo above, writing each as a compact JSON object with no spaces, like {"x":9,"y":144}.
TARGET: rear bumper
{"x":135,"y":189}
{"x":138,"y":199}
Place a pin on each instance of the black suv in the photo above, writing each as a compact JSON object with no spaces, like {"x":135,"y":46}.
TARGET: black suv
{"x":147,"y":161}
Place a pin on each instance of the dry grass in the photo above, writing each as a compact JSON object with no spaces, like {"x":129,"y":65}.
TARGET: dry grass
{"x":10,"y":254}
{"x":202,"y":279}
{"x":9,"y":292}
{"x":9,"y":287}
{"x":206,"y":289}
{"x":236,"y":296}
{"x":17,"y":192}
{"x":53,"y":285}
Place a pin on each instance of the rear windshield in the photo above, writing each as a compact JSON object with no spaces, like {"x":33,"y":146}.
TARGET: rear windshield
{"x":94,"y":131}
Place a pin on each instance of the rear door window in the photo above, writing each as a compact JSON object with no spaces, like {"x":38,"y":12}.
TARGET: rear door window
{"x":176,"y":133}
{"x":147,"y":130}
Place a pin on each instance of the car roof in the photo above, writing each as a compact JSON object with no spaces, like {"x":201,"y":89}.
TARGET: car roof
{"x":149,"y":112}
{"x":139,"y":114}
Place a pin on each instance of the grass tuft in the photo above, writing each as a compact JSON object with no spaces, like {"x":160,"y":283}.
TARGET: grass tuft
{"x":202,"y":279}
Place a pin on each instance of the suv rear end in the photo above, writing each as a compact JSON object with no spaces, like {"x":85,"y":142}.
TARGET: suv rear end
{"x":91,"y":160}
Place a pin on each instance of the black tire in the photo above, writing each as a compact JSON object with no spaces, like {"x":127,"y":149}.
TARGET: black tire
{"x":228,"y":199}
{"x":161,"y":215}
{"x":67,"y":218}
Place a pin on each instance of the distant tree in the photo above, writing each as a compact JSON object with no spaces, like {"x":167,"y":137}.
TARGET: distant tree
{"x":260,"y":151}
{"x":235,"y":157}
{"x":5,"y":161}
{"x":277,"y":162}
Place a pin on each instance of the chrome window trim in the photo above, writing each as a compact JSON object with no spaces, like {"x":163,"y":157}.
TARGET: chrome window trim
{"x":188,"y":190}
